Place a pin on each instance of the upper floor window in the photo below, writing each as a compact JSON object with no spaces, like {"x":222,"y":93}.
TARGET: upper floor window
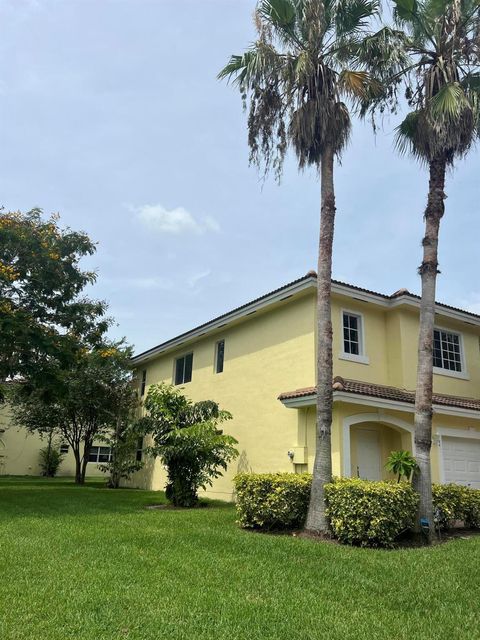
{"x":219,"y":356}
{"x":64,"y":448}
{"x":352,"y":335}
{"x":144,"y":382}
{"x":183,"y":369}
{"x":447,"y":350}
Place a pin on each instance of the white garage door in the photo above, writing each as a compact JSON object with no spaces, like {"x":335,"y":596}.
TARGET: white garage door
{"x":461,"y":461}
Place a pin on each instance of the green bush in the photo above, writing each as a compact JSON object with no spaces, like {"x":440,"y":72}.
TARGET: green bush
{"x":50,"y":460}
{"x":370,"y":514}
{"x":364,"y":513}
{"x":455,"y":502}
{"x":272,"y":500}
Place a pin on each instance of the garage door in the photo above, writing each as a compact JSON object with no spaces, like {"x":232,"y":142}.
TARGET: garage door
{"x":461,"y":461}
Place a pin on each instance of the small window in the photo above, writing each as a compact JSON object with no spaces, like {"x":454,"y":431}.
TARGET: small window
{"x":183,"y":369}
{"x":447,"y":350}
{"x":352,"y":334}
{"x":100,"y":454}
{"x":64,"y":448}
{"x":139,"y":451}
{"x":219,"y":356}
{"x":144,"y":382}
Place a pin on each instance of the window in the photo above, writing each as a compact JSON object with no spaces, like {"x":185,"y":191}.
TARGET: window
{"x":352,"y":334}
{"x":219,"y":356}
{"x":447,"y":353}
{"x":139,"y":451}
{"x":100,"y":454}
{"x":64,"y":448}
{"x":183,"y":369}
{"x":144,"y":382}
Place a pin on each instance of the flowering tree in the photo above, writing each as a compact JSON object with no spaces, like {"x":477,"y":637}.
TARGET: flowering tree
{"x":42,"y":310}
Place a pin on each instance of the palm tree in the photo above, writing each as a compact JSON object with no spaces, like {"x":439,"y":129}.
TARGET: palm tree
{"x":296,"y":76}
{"x":443,"y":91}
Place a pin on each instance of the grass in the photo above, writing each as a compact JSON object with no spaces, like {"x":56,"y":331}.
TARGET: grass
{"x":93,"y":564}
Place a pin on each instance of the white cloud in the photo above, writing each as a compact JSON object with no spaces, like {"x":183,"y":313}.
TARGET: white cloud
{"x":150,"y":283}
{"x":176,"y":221}
{"x":153,"y":282}
{"x":195,"y":279}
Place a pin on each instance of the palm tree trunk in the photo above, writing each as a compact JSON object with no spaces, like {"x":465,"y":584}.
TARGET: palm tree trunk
{"x":424,"y":392}
{"x":322,"y":468}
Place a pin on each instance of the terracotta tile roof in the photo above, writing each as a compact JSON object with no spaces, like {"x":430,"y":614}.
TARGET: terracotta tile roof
{"x":385,"y":392}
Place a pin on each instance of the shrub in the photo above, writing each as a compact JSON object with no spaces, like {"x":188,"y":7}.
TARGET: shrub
{"x":50,"y":460}
{"x":401,"y":463}
{"x":272,"y":500}
{"x":455,"y":502}
{"x":188,"y":440}
{"x":370,"y":514}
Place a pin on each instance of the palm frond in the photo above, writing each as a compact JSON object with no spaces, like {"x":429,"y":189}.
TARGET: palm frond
{"x":405,"y":10}
{"x":449,"y":102}
{"x":359,"y":85}
{"x":406,"y":136}
{"x":354,"y":15}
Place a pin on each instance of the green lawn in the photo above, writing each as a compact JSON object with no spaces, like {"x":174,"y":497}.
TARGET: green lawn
{"x":91,"y":563}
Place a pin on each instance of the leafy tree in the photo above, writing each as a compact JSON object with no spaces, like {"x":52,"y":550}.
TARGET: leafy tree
{"x":307,"y":60}
{"x":187,"y":439}
{"x":125,"y":442}
{"x":441,"y":38}
{"x":83,"y":403}
{"x":42,"y":311}
{"x":401,"y":463}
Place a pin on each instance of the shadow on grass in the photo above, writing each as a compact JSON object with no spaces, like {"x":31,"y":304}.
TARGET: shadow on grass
{"x":33,"y":497}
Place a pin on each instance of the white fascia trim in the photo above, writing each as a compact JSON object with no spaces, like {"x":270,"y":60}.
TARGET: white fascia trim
{"x":380,"y":403}
{"x":460,"y":316}
{"x":222,"y":321}
{"x":363,"y":296}
{"x":293,"y":289}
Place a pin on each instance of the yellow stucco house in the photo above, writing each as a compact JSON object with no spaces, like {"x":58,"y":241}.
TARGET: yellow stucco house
{"x":20,"y":451}
{"x":258,"y":361}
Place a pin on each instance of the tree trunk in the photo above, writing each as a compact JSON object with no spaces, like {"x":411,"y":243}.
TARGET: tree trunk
{"x":424,"y":392}
{"x":78,"y":465}
{"x":322,"y":468}
{"x":86,"y":453}
{"x":114,"y":480}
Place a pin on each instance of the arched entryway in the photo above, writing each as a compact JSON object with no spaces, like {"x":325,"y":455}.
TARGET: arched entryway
{"x":368,"y":439}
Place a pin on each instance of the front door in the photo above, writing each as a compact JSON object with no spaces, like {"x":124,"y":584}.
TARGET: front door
{"x":368,"y":455}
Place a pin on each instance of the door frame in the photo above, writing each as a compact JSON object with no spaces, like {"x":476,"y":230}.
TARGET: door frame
{"x":384,"y":418}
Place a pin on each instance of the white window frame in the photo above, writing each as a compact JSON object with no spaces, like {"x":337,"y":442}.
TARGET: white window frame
{"x":463,"y":374}
{"x":361,"y":358}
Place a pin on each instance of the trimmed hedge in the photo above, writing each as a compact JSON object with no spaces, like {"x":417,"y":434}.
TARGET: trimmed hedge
{"x":370,"y":514}
{"x":361,"y":512}
{"x":455,"y":502}
{"x":272,"y":500}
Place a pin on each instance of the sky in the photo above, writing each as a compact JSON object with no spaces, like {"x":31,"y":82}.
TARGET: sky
{"x":112,"y":116}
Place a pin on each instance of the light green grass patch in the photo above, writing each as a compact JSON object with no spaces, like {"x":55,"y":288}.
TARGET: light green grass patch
{"x":93,"y":564}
